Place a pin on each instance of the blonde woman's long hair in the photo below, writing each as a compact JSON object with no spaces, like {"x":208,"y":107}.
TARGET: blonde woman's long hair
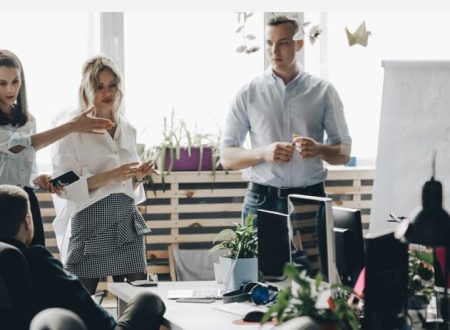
{"x":89,"y":82}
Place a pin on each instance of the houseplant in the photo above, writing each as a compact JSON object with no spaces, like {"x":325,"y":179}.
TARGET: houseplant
{"x":302,"y":300}
{"x":420,"y":278}
{"x":182,"y":149}
{"x":240,"y":263}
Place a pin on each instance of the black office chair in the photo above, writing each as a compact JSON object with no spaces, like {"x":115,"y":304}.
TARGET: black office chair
{"x":15,"y":289}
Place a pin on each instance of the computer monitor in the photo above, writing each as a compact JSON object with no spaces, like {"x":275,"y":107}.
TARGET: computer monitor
{"x":349,"y":243}
{"x":273,"y":244}
{"x":386,"y":282}
{"x":311,"y":230}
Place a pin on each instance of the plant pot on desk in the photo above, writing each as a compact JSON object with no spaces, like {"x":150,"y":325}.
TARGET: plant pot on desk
{"x":245,"y":270}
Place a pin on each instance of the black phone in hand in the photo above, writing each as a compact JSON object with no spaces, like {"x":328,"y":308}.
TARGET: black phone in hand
{"x":65,"y":179}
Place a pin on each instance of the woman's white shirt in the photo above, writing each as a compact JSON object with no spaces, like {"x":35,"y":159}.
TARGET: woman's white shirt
{"x":18,"y":169}
{"x":87,"y":155}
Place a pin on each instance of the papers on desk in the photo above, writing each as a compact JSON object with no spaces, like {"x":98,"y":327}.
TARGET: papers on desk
{"x":239,"y":309}
{"x":431,"y":314}
{"x":203,"y":293}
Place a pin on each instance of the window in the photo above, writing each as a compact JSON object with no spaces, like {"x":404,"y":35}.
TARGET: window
{"x":52,"y":48}
{"x":187,"y":62}
{"x":356,"y":72}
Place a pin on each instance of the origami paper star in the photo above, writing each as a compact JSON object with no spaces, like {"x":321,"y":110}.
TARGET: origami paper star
{"x":359,"y":37}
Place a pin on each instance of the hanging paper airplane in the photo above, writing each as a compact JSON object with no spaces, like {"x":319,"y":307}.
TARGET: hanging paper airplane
{"x":359,"y":37}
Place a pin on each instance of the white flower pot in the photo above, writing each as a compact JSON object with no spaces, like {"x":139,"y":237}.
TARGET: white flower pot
{"x":245,"y":270}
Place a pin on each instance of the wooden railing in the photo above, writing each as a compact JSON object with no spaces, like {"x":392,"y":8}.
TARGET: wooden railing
{"x":191,"y":207}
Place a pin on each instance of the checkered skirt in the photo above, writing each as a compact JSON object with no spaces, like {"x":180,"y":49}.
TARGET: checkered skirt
{"x":107,"y":239}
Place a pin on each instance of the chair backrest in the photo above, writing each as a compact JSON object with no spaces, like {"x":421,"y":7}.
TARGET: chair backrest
{"x":192,"y":265}
{"x":15,"y":288}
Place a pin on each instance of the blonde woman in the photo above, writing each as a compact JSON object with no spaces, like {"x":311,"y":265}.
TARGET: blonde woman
{"x":106,"y":229}
{"x":19,"y":140}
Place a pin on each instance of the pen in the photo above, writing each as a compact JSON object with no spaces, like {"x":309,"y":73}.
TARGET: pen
{"x":396,"y":218}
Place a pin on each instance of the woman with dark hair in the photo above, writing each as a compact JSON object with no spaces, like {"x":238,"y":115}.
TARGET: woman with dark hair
{"x":19,"y":140}
{"x":106,"y":231}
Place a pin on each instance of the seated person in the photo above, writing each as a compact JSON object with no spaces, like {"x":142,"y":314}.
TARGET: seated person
{"x":53,"y":287}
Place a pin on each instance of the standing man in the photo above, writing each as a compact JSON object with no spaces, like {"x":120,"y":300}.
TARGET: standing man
{"x":286,"y":111}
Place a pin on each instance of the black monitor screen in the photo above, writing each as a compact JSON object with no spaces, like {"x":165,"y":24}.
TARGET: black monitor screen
{"x":311,"y":225}
{"x":386,"y":282}
{"x":349,"y":243}
{"x":273,"y":244}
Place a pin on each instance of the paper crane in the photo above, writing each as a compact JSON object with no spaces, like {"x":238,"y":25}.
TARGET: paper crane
{"x":359,"y":37}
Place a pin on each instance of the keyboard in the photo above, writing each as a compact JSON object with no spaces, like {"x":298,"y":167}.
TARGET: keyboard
{"x":201,"y":293}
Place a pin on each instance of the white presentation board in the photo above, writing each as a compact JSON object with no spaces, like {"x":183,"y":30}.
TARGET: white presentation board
{"x":415,"y":123}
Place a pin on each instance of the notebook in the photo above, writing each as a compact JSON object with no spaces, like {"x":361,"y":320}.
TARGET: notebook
{"x":203,"y":293}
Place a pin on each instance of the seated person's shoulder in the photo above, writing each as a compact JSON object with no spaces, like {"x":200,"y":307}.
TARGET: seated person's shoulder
{"x":38,"y":255}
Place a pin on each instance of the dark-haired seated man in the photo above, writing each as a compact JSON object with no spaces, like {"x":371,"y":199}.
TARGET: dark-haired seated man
{"x":53,"y":287}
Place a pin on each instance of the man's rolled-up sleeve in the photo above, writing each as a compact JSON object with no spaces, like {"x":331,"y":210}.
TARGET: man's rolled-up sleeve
{"x":237,"y":124}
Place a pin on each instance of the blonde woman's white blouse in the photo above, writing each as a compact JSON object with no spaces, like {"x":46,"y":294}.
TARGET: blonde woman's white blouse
{"x":87,"y":155}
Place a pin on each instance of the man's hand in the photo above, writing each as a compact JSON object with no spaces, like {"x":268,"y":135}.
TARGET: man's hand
{"x":278,"y":152}
{"x":307,"y":147}
{"x":85,"y":123}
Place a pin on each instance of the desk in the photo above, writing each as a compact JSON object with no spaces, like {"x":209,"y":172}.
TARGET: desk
{"x":185,"y":316}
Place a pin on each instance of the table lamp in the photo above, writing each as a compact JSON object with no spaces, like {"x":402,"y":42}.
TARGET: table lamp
{"x":430,"y":227}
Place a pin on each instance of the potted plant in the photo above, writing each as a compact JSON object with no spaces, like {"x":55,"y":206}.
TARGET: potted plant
{"x":304,"y":298}
{"x":240,"y":263}
{"x":420,"y":278}
{"x":183,"y":150}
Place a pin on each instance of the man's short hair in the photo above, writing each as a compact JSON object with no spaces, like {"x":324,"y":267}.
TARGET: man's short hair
{"x":283,"y":19}
{"x":13,"y":209}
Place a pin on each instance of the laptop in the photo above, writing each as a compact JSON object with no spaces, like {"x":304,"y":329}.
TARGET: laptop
{"x":200,"y":293}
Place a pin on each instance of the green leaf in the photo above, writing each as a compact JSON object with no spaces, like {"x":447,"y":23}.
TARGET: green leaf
{"x":200,"y":161}
{"x":249,"y":219}
{"x":225,"y":234}
{"x":216,"y":248}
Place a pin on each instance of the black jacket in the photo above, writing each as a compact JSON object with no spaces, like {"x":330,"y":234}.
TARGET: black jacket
{"x":52,"y":286}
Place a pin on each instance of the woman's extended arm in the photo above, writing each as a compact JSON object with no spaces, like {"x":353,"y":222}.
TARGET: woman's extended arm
{"x":82,"y":124}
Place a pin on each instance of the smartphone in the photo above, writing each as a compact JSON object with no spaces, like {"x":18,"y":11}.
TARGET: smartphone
{"x":152,"y":162}
{"x":65,"y":179}
{"x":143,"y":283}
